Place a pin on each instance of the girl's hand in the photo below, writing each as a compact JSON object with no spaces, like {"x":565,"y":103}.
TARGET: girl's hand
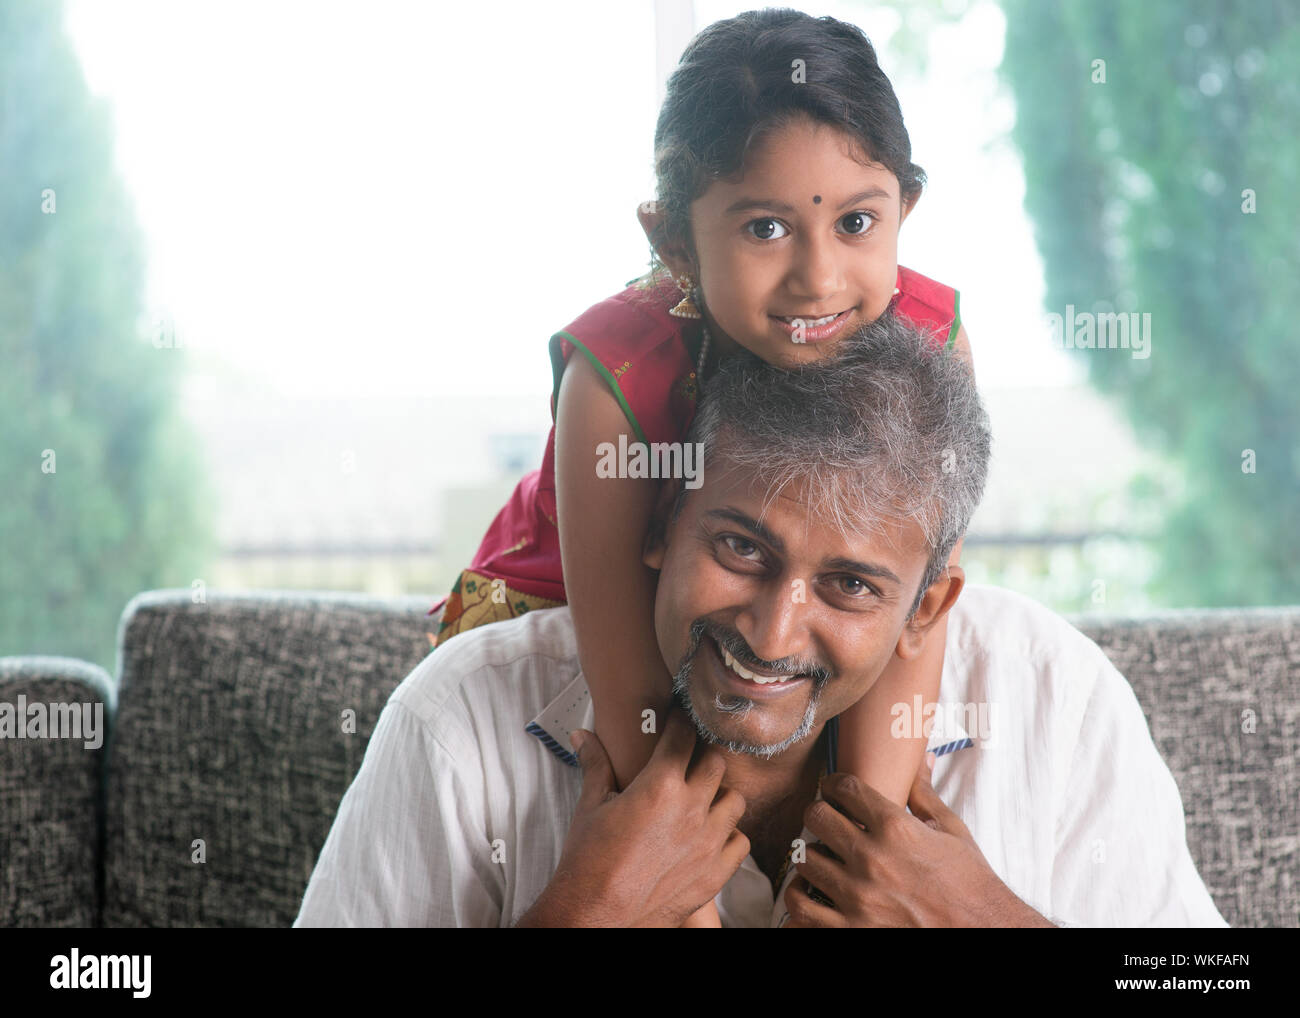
{"x":883,"y":867}
{"x":653,"y":854}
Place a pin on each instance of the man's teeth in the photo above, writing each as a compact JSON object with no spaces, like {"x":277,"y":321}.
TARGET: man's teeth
{"x":745,"y":673}
{"x":812,"y":323}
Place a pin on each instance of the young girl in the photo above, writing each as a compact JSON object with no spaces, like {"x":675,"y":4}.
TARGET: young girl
{"x":784,"y":172}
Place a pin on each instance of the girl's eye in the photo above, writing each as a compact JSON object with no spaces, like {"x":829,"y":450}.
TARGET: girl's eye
{"x":856,"y":223}
{"x":766,"y":229}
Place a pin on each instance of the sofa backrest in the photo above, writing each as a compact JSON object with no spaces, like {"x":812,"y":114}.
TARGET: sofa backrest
{"x":241,"y":723}
{"x":51,"y":794}
{"x":231,"y":734}
{"x":1221,"y":692}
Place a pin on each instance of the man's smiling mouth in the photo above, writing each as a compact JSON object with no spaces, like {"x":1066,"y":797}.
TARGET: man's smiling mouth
{"x":745,"y":673}
{"x":750,"y":675}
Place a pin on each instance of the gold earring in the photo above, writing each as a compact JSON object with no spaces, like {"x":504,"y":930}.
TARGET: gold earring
{"x":686,"y":308}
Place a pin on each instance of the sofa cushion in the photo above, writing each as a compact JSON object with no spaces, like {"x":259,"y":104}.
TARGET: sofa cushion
{"x":241,"y":723}
{"x":1219,"y":689}
{"x":51,"y":792}
{"x":230,"y":732}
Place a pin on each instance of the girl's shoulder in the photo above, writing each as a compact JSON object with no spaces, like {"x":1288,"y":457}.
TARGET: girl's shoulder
{"x":929,"y":303}
{"x":640,"y":349}
{"x":630,"y":322}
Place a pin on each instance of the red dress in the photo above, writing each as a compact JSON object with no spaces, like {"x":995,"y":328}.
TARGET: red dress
{"x":648,"y":358}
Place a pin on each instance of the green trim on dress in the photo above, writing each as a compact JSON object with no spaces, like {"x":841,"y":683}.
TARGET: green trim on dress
{"x":956,"y":321}
{"x":557,"y":370}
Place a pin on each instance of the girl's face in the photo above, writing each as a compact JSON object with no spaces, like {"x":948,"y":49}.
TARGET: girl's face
{"x":808,"y":234}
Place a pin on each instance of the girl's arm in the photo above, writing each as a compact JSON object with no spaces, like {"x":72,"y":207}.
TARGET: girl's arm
{"x":867,"y":747}
{"x":603,"y":523}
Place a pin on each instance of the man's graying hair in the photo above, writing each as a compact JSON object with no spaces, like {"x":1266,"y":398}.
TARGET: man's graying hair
{"x":886,"y":429}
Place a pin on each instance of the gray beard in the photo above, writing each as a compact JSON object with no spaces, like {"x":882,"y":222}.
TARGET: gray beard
{"x":739,"y":706}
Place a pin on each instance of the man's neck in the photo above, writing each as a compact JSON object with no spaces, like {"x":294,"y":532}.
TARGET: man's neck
{"x":776,"y":793}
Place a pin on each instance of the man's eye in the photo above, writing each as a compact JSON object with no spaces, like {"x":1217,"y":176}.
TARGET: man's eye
{"x":854,"y":587}
{"x":856,"y":223}
{"x":766,"y":229}
{"x":741,"y":547}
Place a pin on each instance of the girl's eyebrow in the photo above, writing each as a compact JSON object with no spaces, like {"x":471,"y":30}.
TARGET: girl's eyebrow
{"x":765,"y":204}
{"x":772,"y":205}
{"x":870,"y":194}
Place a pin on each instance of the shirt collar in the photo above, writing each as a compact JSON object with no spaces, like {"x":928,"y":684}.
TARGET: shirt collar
{"x":570,"y":710}
{"x":573,"y":709}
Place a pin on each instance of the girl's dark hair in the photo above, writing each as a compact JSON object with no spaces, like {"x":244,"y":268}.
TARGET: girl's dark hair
{"x":738,"y":80}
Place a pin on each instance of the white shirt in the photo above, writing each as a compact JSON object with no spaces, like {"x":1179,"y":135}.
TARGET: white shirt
{"x":458,"y":814}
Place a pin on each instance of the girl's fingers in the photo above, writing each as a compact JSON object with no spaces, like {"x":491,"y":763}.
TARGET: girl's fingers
{"x":806,"y":912}
{"x":824,"y":873}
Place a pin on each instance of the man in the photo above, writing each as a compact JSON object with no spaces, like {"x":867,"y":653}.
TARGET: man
{"x":814,"y":550}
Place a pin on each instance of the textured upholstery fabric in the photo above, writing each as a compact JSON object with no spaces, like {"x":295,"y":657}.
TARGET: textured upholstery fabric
{"x":231,"y":732}
{"x":50,"y":800}
{"x":1221,"y":692}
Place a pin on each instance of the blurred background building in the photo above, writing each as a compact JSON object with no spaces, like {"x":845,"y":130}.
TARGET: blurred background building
{"x":276,"y":282}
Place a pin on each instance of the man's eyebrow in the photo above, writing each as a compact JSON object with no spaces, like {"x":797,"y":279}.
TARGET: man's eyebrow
{"x":866,"y":568}
{"x":750,"y":524}
{"x":847,"y":565}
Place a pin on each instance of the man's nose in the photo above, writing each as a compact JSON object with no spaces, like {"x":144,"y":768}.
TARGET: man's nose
{"x":774,"y":624}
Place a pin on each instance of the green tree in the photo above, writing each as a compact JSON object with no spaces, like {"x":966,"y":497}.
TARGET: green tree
{"x":1161,"y":146}
{"x":100,"y":494}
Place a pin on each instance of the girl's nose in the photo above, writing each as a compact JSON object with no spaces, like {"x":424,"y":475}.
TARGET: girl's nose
{"x":816,"y":275}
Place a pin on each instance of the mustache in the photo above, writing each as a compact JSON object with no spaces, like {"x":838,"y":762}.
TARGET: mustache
{"x":735,"y":645}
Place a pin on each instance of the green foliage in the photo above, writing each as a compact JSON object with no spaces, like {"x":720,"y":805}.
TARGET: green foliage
{"x":1135,"y":186}
{"x":123,"y":510}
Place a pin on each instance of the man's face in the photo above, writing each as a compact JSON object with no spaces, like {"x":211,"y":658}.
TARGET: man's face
{"x":785,"y":597}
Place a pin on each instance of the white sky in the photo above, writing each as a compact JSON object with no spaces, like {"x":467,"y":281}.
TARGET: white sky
{"x":409,"y":198}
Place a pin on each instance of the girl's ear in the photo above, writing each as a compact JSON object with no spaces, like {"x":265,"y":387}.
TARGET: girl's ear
{"x":939,"y":597}
{"x":675,"y":256}
{"x":908,"y":205}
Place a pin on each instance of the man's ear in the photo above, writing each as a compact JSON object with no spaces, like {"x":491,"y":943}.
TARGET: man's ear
{"x":656,"y":537}
{"x":674,"y":254}
{"x":941,"y":595}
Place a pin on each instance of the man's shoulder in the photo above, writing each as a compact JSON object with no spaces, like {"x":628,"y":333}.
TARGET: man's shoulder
{"x":1005,"y":646}
{"x":507,"y":671}
{"x":996,"y":621}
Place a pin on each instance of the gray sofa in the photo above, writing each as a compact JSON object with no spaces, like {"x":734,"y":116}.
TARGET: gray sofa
{"x":231,"y":745}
